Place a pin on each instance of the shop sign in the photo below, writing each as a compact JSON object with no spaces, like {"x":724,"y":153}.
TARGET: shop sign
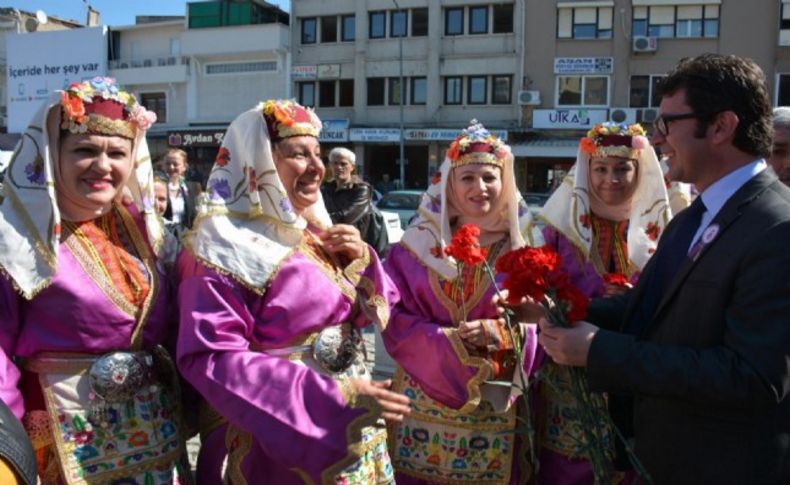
{"x":334,"y":131}
{"x":441,"y":134}
{"x":329,"y":71}
{"x":567,"y":118}
{"x":203,"y":138}
{"x":303,"y":72}
{"x":583,"y":65}
{"x":374,"y":134}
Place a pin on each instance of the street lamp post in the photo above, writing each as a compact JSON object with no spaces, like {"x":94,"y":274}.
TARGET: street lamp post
{"x":402,"y":88}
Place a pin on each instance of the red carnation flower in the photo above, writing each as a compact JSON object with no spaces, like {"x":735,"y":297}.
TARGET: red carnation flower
{"x":465,"y":247}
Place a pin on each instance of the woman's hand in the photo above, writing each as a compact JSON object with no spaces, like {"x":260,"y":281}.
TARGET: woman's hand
{"x":472,"y":333}
{"x":394,"y":406}
{"x":527,"y":310}
{"x":344,"y":240}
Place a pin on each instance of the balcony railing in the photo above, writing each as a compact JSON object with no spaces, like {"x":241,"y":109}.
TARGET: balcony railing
{"x":152,"y":62}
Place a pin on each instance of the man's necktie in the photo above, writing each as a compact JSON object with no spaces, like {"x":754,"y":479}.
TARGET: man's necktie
{"x":670,"y":256}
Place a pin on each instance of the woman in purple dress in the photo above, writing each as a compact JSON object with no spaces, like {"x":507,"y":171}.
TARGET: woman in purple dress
{"x":272,"y":299}
{"x":84,"y":305}
{"x":444,"y":333}
{"x":605,"y":219}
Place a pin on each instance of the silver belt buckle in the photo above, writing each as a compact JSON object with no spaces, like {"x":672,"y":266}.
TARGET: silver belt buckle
{"x":116,"y":377}
{"x":336,"y":348}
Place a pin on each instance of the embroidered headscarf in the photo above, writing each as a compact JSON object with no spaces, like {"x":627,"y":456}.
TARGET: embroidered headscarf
{"x":568,"y":209}
{"x":431,"y":231}
{"x":246,"y":224}
{"x":29,"y":213}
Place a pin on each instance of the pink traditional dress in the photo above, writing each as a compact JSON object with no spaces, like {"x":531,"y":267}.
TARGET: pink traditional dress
{"x":85,"y":310}
{"x":462,"y":428}
{"x":594,"y":239}
{"x":271,"y":321}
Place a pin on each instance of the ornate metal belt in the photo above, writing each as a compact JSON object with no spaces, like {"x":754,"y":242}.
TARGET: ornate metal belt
{"x":334,"y":348}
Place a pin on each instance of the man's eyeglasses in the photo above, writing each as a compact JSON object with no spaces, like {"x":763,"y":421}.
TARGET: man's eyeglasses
{"x":661,"y":124}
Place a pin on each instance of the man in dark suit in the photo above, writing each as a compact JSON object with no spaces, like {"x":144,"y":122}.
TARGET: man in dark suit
{"x":700,"y":348}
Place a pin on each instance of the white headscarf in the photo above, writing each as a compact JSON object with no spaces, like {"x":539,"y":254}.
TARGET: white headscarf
{"x":246,"y":225}
{"x":569,"y":207}
{"x":29,"y":214}
{"x":431,"y":232}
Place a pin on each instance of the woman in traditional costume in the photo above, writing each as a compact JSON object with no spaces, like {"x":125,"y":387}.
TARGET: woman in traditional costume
{"x":444,"y":333}
{"x":604,"y":221}
{"x":84,"y":305}
{"x":272,"y":300}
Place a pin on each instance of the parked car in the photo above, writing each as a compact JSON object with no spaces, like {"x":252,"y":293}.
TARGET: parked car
{"x":403,"y":202}
{"x":392,"y":223}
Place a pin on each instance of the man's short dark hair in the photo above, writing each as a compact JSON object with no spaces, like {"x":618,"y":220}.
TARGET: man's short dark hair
{"x":716,"y":83}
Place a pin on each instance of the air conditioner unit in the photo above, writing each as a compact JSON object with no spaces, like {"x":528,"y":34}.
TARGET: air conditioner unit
{"x":642,"y":43}
{"x":647,"y":115}
{"x":623,"y":115}
{"x":531,"y":98}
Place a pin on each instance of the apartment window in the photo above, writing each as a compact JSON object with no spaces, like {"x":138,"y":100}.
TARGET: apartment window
{"x":419,"y":22}
{"x":644,"y":91}
{"x":306,"y":93}
{"x":329,"y":29}
{"x":378,"y":25}
{"x":454,"y":21}
{"x":501,"y":89}
{"x":346,"y":95}
{"x":241,"y":67}
{"x":309,"y":31}
{"x":453,"y":90}
{"x":582,"y":91}
{"x":395,"y":91}
{"x":419,"y":90}
{"x":477,"y":86}
{"x":376,"y":91}
{"x":348,"y":28}
{"x":783,"y":90}
{"x":398,"y":23}
{"x":503,"y":18}
{"x":584,"y":23}
{"x":784,"y":21}
{"x":677,"y":21}
{"x":326,"y":93}
{"x":156,"y":102}
{"x":478,"y":20}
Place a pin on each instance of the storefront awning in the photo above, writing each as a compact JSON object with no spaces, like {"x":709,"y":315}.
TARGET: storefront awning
{"x":551,"y":147}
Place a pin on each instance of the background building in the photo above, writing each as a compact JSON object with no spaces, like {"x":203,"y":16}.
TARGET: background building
{"x":448,"y":61}
{"x":200,"y":71}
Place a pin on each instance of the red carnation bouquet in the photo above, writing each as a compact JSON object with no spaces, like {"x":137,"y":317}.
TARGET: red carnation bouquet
{"x":535,"y":274}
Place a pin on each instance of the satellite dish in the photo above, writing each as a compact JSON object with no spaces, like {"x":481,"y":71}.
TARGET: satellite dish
{"x":41,"y":16}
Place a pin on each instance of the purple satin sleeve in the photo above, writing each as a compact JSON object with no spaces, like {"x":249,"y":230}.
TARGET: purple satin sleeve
{"x":417,"y":335}
{"x":9,"y":331}
{"x":298,"y":417}
{"x":580,"y":270}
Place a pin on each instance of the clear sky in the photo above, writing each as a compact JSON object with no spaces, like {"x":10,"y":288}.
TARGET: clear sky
{"x":113,"y":12}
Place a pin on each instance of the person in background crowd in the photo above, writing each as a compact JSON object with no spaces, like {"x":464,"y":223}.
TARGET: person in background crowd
{"x":385,"y":185}
{"x":160,"y":194}
{"x":604,"y":219}
{"x":780,"y":152}
{"x":702,"y":342}
{"x":462,"y":429}
{"x":84,"y":303}
{"x":180,"y":194}
{"x":348,"y":200}
{"x":17,"y":458}
{"x":272,"y":299}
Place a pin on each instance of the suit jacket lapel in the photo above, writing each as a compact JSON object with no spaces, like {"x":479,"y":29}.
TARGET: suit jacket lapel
{"x":731,"y":210}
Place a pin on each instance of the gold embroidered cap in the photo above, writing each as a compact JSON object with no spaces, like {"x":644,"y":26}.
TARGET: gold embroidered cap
{"x":99,"y":106}
{"x":286,"y":118}
{"x":610,"y":139}
{"x":476,"y":144}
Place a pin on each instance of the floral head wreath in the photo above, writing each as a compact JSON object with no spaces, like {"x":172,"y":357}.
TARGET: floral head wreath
{"x":285,"y":118}
{"x":614,"y":140}
{"x":98,"y":106}
{"x":477,"y":145}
